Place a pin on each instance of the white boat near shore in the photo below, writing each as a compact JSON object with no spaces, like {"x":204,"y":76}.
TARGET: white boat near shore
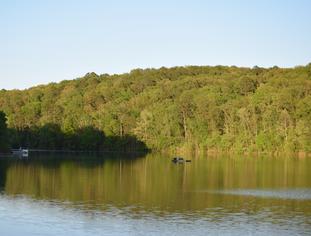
{"x":20,"y":152}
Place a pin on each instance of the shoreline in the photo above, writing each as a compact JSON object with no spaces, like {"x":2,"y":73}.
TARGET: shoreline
{"x":219,"y":152}
{"x":170,"y":152}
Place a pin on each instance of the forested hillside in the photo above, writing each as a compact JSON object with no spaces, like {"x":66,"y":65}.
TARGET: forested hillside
{"x":206,"y":108}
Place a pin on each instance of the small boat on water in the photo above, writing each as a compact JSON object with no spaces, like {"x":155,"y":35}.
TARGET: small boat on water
{"x":20,"y":152}
{"x":179,"y":160}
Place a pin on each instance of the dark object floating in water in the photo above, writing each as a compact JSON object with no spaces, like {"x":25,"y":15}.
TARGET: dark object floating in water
{"x":179,"y":160}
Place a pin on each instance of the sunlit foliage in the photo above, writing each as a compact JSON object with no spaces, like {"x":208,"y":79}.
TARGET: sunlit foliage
{"x":224,"y":108}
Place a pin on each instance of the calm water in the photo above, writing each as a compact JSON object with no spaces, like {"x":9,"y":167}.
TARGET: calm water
{"x":152,"y":196}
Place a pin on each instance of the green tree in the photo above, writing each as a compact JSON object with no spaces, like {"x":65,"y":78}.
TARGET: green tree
{"x":221,"y":107}
{"x":3,"y":133}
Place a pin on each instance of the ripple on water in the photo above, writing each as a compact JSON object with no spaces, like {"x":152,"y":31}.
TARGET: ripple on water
{"x":24,"y":216}
{"x":292,"y":194}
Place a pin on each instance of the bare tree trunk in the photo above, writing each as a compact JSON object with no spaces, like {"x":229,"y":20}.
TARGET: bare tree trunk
{"x":121,"y":129}
{"x":184,"y":124}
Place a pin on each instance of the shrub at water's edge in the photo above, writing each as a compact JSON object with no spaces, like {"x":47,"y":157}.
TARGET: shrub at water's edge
{"x":182,"y":108}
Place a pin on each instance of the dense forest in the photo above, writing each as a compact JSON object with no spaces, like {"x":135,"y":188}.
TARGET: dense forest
{"x":193,"y":107}
{"x":4,"y":144}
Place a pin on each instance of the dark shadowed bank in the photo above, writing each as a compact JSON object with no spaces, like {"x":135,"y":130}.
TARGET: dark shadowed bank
{"x":182,"y":108}
{"x":50,"y":137}
{"x":4,"y":137}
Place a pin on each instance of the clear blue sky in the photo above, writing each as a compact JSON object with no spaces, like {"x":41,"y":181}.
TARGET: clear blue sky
{"x":48,"y":41}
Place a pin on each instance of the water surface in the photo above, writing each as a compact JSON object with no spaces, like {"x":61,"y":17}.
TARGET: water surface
{"x":57,"y":195}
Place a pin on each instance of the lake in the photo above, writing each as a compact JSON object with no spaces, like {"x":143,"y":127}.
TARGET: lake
{"x":120,"y":195}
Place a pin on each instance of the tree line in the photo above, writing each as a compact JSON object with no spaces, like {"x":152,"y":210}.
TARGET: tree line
{"x":197,"y":107}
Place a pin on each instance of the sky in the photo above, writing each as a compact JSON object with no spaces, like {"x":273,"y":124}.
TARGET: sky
{"x":49,"y":41}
